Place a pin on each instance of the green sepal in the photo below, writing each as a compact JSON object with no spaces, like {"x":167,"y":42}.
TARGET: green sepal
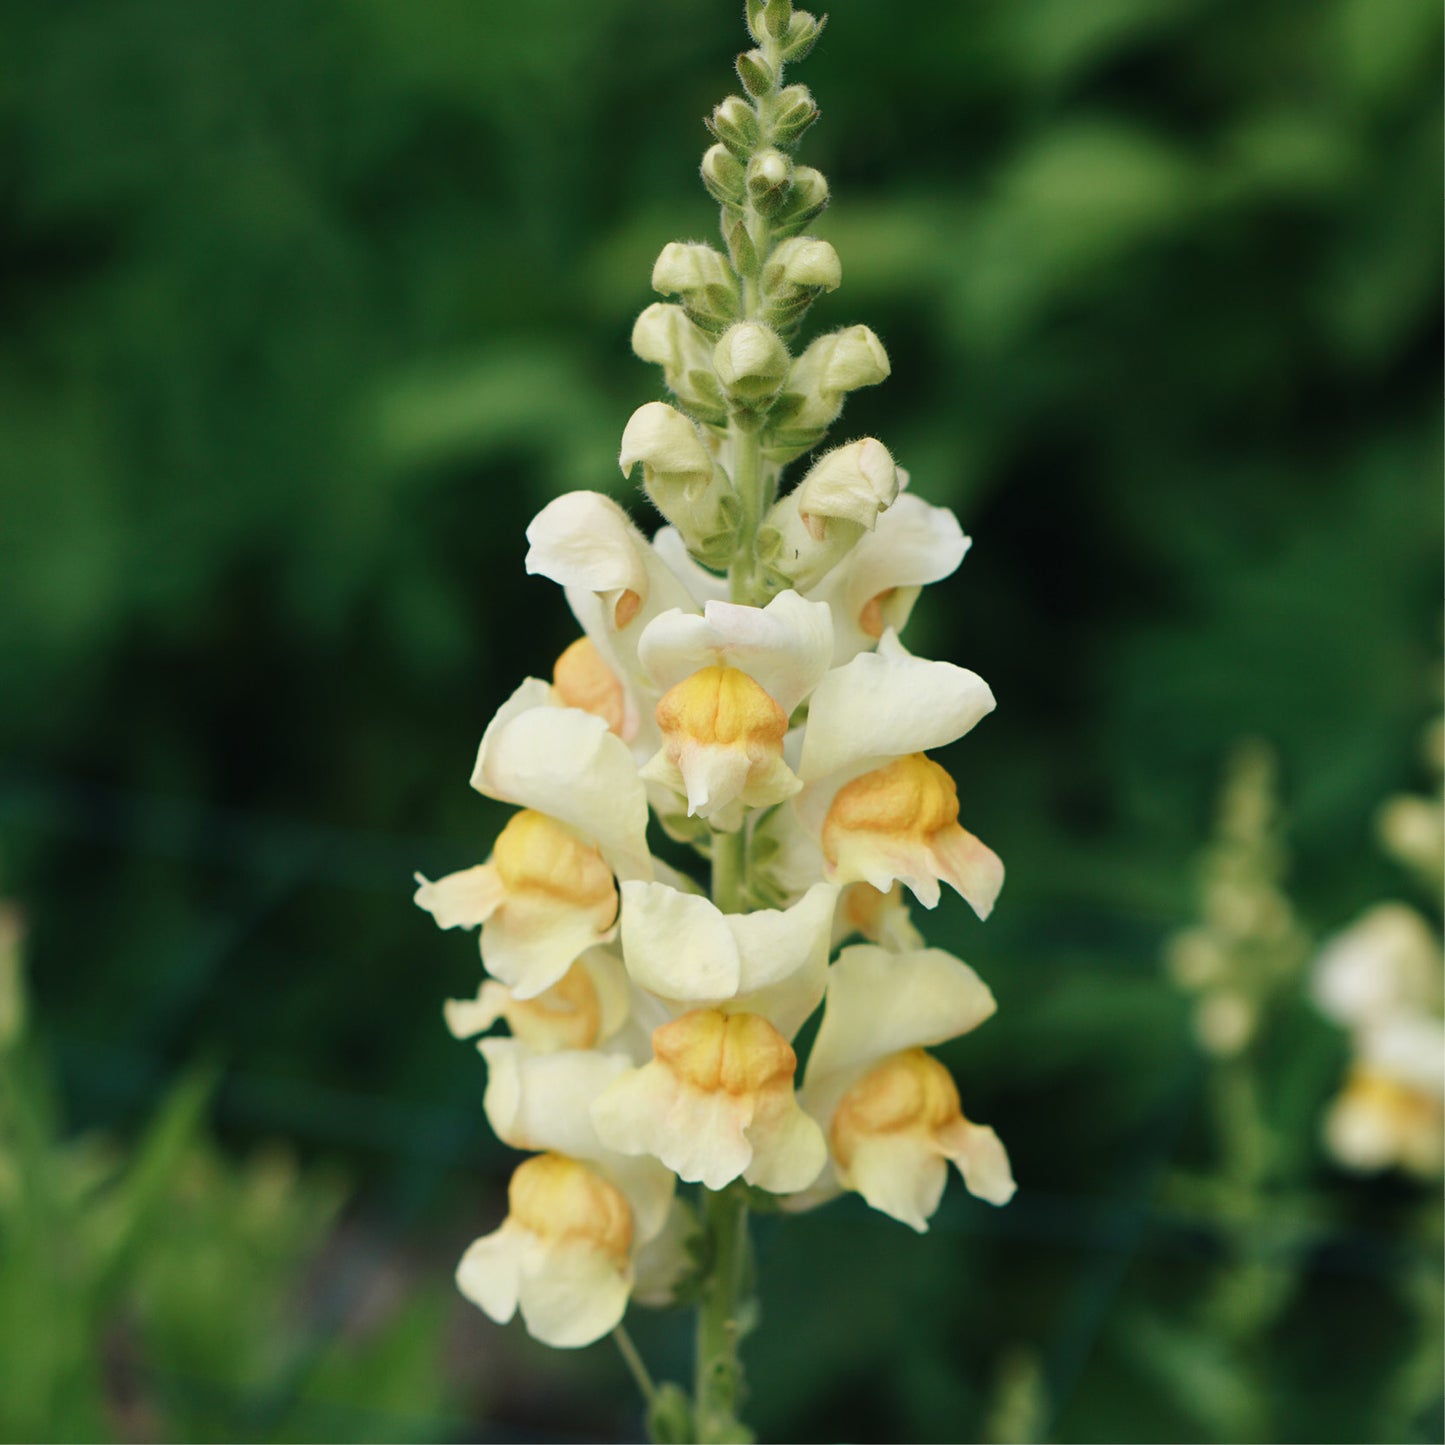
{"x":793,"y":113}
{"x":757,"y":76}
{"x":740,"y":247}
{"x":778,"y":18}
{"x":803,"y":32}
{"x":669,"y":1416}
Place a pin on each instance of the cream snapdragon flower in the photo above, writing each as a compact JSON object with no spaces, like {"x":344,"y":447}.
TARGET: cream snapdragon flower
{"x":1381,"y":980}
{"x":578,"y":1215}
{"x":730,"y":679}
{"x":891,"y":1110}
{"x":879,"y":809}
{"x":716,"y":1102}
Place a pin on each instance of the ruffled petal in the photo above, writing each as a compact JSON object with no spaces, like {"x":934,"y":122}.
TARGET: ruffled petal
{"x":461,"y":900}
{"x":573,"y":1296}
{"x":885,"y":704}
{"x":899,"y":1178}
{"x":881,"y":1003}
{"x":567,"y":764}
{"x":543,"y":1101}
{"x":699,"y":1136}
{"x":678,"y":945}
{"x":785,"y":647}
{"x":981,"y":1159}
{"x":875,"y":586}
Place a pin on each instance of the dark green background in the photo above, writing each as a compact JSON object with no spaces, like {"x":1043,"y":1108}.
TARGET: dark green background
{"x":308,"y":307}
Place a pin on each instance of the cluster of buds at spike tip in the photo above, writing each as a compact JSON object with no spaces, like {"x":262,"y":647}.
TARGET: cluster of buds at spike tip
{"x":740,"y":679}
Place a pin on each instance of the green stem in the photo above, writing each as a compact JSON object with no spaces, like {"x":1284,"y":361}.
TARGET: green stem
{"x":635,"y":1365}
{"x":719,"y":1323}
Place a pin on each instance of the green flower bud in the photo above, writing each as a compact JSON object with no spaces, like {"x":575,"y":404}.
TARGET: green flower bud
{"x":803,"y":32}
{"x":793,"y":113}
{"x":704,"y":280}
{"x":758,"y":77}
{"x":803,"y":261}
{"x":777,"y":17}
{"x":770,"y":174}
{"x":688,"y":266}
{"x":724,"y":176}
{"x":817,"y":524}
{"x":667,"y":336}
{"x":683,"y":481}
{"x":795,"y":273}
{"x":806,"y":199}
{"x":751,"y":362}
{"x":735,"y":124}
{"x":835,"y":364}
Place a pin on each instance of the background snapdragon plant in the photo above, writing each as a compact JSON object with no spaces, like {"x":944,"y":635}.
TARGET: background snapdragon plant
{"x":740,"y":682}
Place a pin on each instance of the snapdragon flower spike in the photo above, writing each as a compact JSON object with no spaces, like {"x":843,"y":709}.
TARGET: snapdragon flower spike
{"x":730,"y":680}
{"x":716,"y":1100}
{"x":879,"y":808}
{"x":891,"y":1110}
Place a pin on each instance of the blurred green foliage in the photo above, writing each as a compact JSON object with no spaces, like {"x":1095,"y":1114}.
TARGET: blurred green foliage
{"x":159,"y":1291}
{"x":309,"y":308}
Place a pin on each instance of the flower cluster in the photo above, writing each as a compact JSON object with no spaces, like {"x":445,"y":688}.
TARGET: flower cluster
{"x":740,"y":689}
{"x":1381,"y":980}
{"x":1248,"y":947}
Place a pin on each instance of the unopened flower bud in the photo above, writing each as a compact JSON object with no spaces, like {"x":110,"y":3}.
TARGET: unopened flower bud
{"x":811,"y":530}
{"x":723,"y":175}
{"x":840,"y":362}
{"x":757,"y":76}
{"x":793,"y":112}
{"x":803,"y":261}
{"x":803,"y":32}
{"x":805,"y":200}
{"x":665,"y":335}
{"x":777,"y":17}
{"x":668,"y":446}
{"x":688,"y":266}
{"x":770,"y":173}
{"x":683,"y":481}
{"x":751,"y":361}
{"x":735,"y":123}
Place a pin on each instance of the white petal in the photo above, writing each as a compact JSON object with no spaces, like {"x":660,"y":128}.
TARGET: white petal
{"x":565,"y":763}
{"x":573,"y":1295}
{"x":785,"y":647}
{"x":468,"y":1017}
{"x":586,"y":540}
{"x":914,"y":544}
{"x":982,"y":1160}
{"x":1407,"y":1048}
{"x":880,"y":1003}
{"x":784,"y":958}
{"x":699,"y":1136}
{"x":702,"y":585}
{"x":490,"y":1272}
{"x":543,"y":1101}
{"x":789,"y":1150}
{"x":1386,"y":960}
{"x":461,"y":900}
{"x":884,"y":705}
{"x":532,"y":951}
{"x":901,"y":1176}
{"x":677,"y":945}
